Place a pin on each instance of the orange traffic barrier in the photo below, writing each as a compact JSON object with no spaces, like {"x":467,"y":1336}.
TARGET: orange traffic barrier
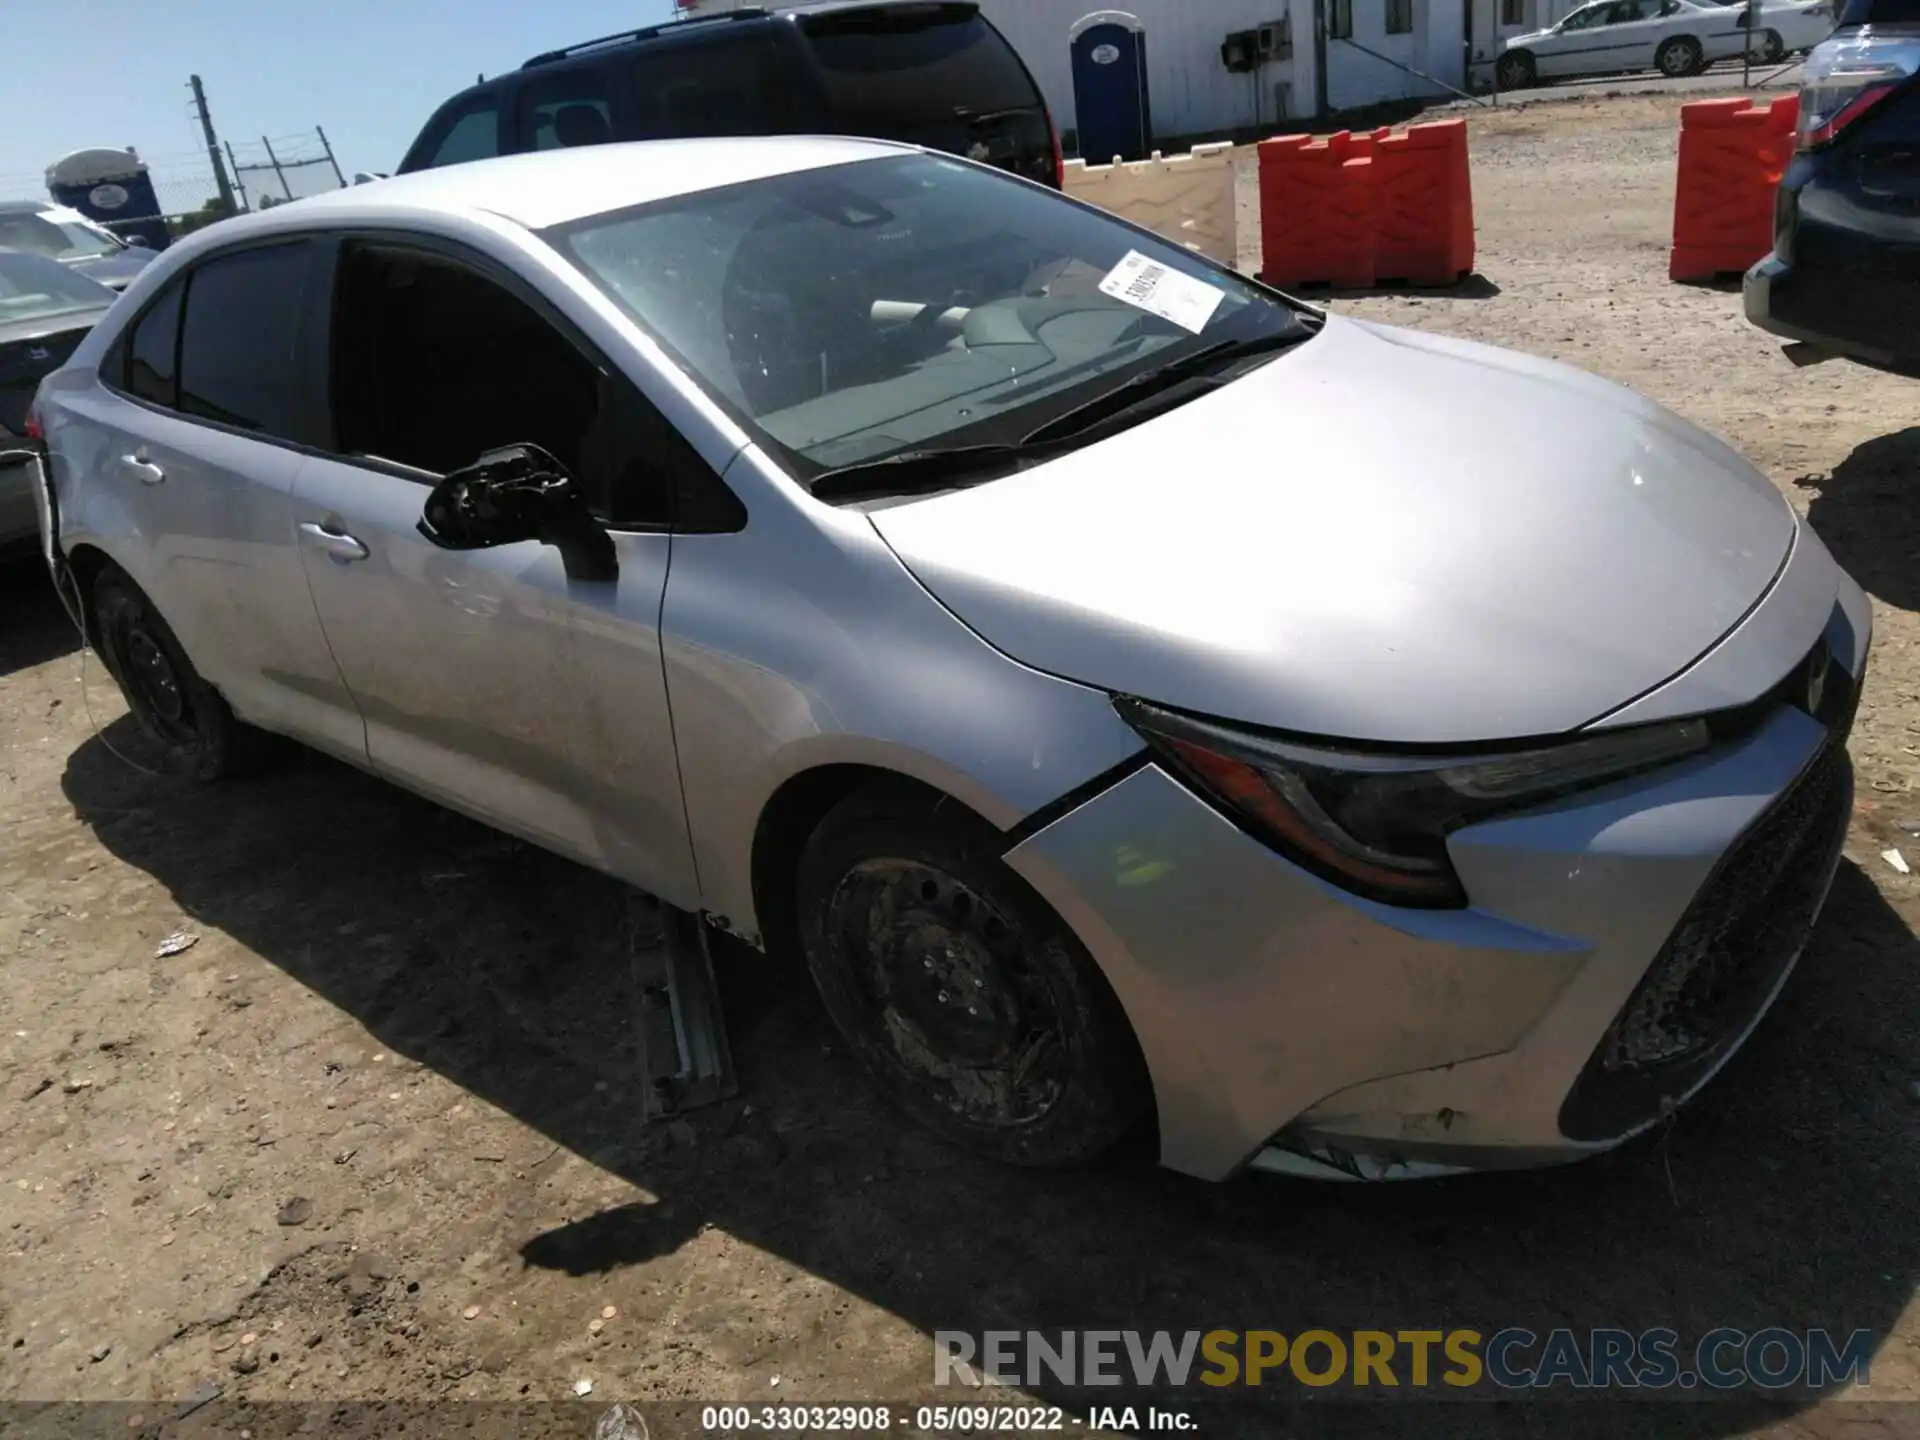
{"x":1732,"y":155}
{"x":1352,"y":209}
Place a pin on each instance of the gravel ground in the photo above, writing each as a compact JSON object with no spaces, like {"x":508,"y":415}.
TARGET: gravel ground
{"x":372,"y":1135}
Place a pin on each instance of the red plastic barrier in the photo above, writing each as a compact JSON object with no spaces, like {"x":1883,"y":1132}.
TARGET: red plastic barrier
{"x":1352,"y":209}
{"x":1732,"y":155}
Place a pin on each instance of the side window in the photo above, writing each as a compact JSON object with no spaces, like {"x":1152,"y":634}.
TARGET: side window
{"x":1399,"y":17}
{"x":237,"y":339}
{"x":434,"y":363}
{"x":741,"y":86}
{"x":470,"y":133}
{"x":153,"y":349}
{"x":565,"y":109}
{"x":1340,"y":20}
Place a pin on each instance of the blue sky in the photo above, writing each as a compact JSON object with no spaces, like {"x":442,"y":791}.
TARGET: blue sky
{"x":114,"y":72}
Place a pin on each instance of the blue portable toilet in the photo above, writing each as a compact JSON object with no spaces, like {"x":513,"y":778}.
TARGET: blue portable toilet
{"x":1110,"y":98}
{"x":113,"y":187}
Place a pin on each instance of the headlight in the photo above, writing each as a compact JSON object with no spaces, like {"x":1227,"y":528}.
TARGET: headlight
{"x":1377,"y":824}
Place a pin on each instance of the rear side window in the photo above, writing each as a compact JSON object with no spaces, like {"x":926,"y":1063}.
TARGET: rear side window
{"x":237,"y":339}
{"x":153,"y":352}
{"x":565,"y":109}
{"x":470,"y":131}
{"x":746,"y":85}
{"x":915,"y":63}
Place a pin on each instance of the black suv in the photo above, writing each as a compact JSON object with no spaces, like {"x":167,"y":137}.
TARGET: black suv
{"x":1844,"y":275}
{"x":935,"y":74}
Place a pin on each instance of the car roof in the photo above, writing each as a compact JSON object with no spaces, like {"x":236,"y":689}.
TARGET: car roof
{"x":719,"y":21}
{"x":552,"y":187}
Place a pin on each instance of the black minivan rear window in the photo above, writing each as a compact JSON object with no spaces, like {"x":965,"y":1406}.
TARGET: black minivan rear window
{"x":908,"y":63}
{"x":1880,"y":12}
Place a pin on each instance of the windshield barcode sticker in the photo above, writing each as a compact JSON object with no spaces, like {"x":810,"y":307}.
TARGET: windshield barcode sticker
{"x":1150,"y":286}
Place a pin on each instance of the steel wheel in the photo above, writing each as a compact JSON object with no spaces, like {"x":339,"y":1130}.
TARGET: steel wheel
{"x":197,"y":734}
{"x":966,"y":998}
{"x":945,"y":977}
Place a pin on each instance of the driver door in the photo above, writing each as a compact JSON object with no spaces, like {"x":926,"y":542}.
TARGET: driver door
{"x":490,"y":680}
{"x":1574,"y":46}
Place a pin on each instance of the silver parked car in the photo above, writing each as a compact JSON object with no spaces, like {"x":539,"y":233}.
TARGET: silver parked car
{"x":1135,"y":693}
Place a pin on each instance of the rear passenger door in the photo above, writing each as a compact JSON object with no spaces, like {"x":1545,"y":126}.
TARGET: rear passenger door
{"x":200,"y":423}
{"x":491,"y":680}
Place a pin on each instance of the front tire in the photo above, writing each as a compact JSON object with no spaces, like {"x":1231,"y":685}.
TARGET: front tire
{"x":967,"y":1000}
{"x":1680,"y":56}
{"x":197,"y":733}
{"x":1772,"y":48}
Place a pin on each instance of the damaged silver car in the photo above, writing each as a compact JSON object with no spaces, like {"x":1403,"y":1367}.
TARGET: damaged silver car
{"x":1137,"y":696}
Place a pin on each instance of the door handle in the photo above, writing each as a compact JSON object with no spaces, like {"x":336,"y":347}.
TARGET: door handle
{"x":142,"y":469}
{"x":337,"y":544}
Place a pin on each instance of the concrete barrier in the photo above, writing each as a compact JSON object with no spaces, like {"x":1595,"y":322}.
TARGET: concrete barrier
{"x":1187,"y":199}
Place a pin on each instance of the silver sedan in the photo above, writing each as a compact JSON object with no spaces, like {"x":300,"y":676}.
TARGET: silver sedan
{"x":1137,"y":696}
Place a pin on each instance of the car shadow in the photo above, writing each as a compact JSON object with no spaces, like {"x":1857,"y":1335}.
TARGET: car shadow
{"x":1868,"y":512}
{"x":34,"y":626}
{"x":1781,"y":1198}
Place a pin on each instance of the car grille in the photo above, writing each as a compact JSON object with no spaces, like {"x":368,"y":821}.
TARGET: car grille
{"x":1729,"y":953}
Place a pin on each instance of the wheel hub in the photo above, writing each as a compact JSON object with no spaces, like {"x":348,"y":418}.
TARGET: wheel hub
{"x":947,"y":973}
{"x":153,"y":673}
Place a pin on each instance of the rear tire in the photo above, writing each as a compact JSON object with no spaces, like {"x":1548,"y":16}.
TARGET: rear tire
{"x":1516,"y":70}
{"x":197,"y":733}
{"x":967,"y":1000}
{"x":1680,"y":56}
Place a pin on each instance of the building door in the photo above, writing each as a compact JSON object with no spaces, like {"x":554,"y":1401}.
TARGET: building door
{"x":1110,"y":87}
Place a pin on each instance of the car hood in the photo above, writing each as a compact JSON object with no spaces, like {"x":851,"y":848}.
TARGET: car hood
{"x":1515,"y":42}
{"x":115,"y":268}
{"x":1380,"y":535}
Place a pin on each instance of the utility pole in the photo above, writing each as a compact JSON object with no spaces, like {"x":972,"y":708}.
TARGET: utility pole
{"x":274,"y":160}
{"x":213,"y":145}
{"x":238,"y":183}
{"x":327,"y":146}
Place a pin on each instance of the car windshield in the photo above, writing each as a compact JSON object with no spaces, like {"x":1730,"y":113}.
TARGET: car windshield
{"x":856,"y":312}
{"x":32,"y":286}
{"x":50,"y":233}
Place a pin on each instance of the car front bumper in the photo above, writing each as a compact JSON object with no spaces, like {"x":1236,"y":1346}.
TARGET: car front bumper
{"x":1291,"y":1026}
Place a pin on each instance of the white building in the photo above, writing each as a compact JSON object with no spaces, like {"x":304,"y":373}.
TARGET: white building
{"x":1345,"y":54}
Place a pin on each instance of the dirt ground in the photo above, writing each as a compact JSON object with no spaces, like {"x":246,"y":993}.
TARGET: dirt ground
{"x":374,"y":1134}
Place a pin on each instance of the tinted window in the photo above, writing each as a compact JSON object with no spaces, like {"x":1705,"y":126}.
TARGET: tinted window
{"x":470,"y":133}
{"x":565,"y":109}
{"x":885,"y":67}
{"x":741,"y":86}
{"x":434,"y":364}
{"x":237,"y":339}
{"x":154,"y":350}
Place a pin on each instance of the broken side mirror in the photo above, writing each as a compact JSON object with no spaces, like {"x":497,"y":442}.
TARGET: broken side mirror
{"x":518,"y":493}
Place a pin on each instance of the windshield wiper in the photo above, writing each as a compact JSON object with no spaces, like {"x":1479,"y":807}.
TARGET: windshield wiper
{"x":1200,"y":365}
{"x":913,"y":472}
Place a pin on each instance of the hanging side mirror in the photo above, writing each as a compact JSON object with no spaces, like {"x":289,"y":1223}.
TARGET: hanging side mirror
{"x":514,"y":494}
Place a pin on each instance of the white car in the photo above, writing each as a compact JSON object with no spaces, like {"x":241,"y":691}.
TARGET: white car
{"x":1675,"y":37}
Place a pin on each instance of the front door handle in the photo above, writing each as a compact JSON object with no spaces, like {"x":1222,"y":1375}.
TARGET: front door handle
{"x":142,"y":469}
{"x":337,"y":544}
